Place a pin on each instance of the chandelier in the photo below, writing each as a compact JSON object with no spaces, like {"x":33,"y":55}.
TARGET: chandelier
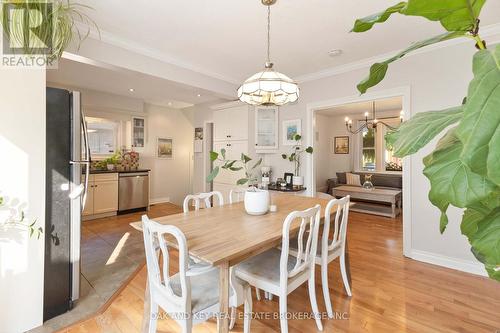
{"x":370,"y":123}
{"x":269,"y":87}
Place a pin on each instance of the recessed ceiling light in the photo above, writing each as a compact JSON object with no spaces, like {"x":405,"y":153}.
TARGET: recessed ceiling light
{"x":199,"y":95}
{"x":169,"y":103}
{"x":335,"y":53}
{"x":131,"y":90}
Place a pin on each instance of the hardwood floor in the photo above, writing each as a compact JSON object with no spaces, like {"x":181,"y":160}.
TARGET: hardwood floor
{"x":390,"y":293}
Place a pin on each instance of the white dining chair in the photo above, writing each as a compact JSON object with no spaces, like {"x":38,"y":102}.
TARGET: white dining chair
{"x":236,"y":195}
{"x":190,"y":296}
{"x":202,"y":197}
{"x":334,"y":248}
{"x":278,"y":273}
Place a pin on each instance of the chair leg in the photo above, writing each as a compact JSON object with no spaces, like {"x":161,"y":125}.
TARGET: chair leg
{"x":257,"y":293}
{"x":187,"y":325}
{"x":248,"y":310}
{"x":233,"y":318}
{"x":343,"y":272}
{"x":283,"y":314}
{"x":314,"y":303}
{"x":326,"y":290}
{"x":153,"y":317}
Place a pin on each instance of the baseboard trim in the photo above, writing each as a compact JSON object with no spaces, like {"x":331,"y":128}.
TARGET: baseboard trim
{"x":449,"y":262}
{"x":159,"y":200}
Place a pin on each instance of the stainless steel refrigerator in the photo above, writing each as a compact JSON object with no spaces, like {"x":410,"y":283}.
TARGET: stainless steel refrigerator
{"x":67,"y":172}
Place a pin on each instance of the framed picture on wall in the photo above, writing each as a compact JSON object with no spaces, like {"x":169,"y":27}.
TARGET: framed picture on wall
{"x":164,"y":148}
{"x":341,"y":145}
{"x":290,"y":128}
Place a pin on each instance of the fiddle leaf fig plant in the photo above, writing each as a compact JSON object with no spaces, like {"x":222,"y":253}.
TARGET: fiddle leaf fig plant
{"x":234,"y":165}
{"x":464,"y":168}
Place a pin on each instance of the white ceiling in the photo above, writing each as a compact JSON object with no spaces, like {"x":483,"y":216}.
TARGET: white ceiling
{"x":118,"y":81}
{"x":227,"y":37}
{"x":386,"y":106}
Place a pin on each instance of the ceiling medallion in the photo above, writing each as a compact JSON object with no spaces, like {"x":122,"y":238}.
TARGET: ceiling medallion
{"x":269,"y":87}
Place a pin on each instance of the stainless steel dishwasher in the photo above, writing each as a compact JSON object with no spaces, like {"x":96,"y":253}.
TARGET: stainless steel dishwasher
{"x":133,"y":190}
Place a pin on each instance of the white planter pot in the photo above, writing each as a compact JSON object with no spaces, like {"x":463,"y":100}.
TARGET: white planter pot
{"x":298,"y":181}
{"x":256,"y":202}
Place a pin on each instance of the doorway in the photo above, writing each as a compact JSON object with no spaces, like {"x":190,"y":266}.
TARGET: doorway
{"x":329,"y":137}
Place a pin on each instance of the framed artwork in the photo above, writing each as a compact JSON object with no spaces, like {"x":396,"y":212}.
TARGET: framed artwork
{"x":198,"y":133}
{"x":289,"y":179}
{"x":290,"y":128}
{"x":341,"y":145}
{"x":164,"y":148}
{"x":198,"y":140}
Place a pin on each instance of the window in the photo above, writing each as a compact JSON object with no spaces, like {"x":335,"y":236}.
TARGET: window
{"x":368,"y":154}
{"x":374,"y":154}
{"x":103,"y":136}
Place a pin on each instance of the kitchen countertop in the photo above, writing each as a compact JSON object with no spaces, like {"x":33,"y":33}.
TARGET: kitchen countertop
{"x":116,"y":171}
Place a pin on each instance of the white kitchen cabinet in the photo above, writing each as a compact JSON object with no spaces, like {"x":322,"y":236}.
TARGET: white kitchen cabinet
{"x":231,"y":124}
{"x":266,"y":129}
{"x":102,"y":195}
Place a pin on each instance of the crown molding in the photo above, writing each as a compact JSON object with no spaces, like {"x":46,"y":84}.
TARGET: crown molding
{"x":111,"y":39}
{"x":488,"y":31}
{"x":127,"y":44}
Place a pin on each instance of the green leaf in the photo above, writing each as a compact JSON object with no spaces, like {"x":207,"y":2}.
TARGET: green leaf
{"x":417,"y":132}
{"x":223,"y":153}
{"x":242,"y":181}
{"x":454,"y":15}
{"x":213,"y":174}
{"x":364,"y":24}
{"x":378,"y":70}
{"x":235,"y":168}
{"x":297,"y":137}
{"x":485,"y":242}
{"x":213,"y":156}
{"x":479,"y":127}
{"x":257,"y":164}
{"x":452,"y":182}
{"x":245,"y":158}
{"x":284,"y":156}
{"x":309,"y":150}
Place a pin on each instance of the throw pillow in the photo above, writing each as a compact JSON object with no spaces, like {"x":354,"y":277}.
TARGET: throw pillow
{"x":352,"y":179}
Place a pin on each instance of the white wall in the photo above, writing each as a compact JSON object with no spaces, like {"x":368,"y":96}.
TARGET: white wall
{"x":22,"y":177}
{"x":327,"y":163}
{"x":170,"y":178}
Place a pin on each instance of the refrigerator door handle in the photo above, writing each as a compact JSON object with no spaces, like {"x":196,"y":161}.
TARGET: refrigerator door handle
{"x":87,"y":160}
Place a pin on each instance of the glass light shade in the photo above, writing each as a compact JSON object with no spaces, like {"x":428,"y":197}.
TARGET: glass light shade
{"x":268,"y":88}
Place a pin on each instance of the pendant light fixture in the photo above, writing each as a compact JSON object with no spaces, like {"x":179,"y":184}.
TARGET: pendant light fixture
{"x":370,"y":123}
{"x":269,"y":87}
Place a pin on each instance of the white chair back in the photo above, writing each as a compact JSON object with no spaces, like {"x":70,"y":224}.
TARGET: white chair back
{"x":202,"y":197}
{"x":309,"y":221}
{"x":159,"y":279}
{"x":236,"y":195}
{"x":339,"y":225}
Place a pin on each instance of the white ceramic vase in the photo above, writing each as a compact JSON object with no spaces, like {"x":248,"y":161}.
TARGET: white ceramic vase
{"x":256,"y":201}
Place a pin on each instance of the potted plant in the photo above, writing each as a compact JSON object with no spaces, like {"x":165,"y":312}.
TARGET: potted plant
{"x":294,"y":157}
{"x":256,"y":200}
{"x":112,"y":161}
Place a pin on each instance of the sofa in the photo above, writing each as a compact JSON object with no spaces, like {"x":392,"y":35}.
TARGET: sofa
{"x":391,"y":181}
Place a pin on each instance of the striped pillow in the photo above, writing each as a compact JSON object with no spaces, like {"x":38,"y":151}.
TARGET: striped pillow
{"x":352,"y":179}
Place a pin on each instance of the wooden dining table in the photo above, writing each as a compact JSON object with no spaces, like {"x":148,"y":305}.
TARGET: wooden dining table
{"x":226,"y":235}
